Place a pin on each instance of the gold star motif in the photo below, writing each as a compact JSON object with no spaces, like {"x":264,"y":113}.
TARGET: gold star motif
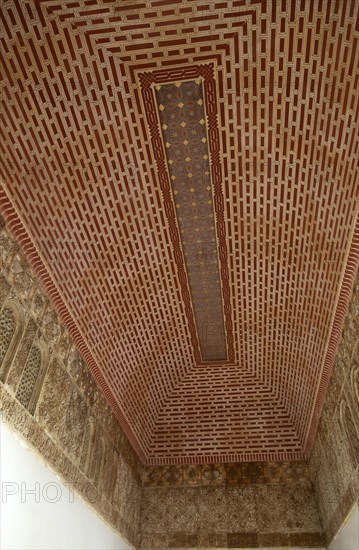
{"x":185,"y":142}
{"x":190,"y":174}
{"x":178,"y":206}
{"x":167,"y":144}
{"x":202,"y":121}
{"x":196,"y":218}
{"x":180,"y":105}
{"x":200,"y":102}
{"x":209,"y":202}
{"x":183,"y":124}
{"x":158,"y":87}
{"x":206,"y":173}
{"x":208,"y":187}
{"x":170,"y":161}
{"x":173,"y":178}
{"x":175,"y":192}
{"x":203,"y":140}
{"x":198,"y":81}
{"x":161,"y":107}
{"x":178,"y":84}
{"x":194,"y":204}
{"x":192,"y":190}
{"x":205,"y":157}
{"x":164,"y":126}
{"x":187,"y":159}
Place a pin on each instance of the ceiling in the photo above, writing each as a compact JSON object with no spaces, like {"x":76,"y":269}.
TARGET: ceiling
{"x":206,"y":295}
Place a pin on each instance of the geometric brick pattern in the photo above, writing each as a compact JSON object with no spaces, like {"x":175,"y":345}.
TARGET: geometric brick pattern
{"x":82,"y":194}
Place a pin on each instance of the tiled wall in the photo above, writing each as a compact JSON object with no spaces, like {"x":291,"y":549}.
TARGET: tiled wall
{"x":229,"y":506}
{"x":53,"y":401}
{"x":335,"y":457}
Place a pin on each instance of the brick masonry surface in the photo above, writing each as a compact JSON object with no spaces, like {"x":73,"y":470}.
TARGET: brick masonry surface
{"x":88,"y":196}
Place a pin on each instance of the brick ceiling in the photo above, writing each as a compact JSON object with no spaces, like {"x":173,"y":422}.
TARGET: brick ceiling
{"x":213,"y":348}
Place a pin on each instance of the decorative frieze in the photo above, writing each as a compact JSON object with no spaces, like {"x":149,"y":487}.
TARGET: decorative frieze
{"x":334,"y":462}
{"x":233,"y":473}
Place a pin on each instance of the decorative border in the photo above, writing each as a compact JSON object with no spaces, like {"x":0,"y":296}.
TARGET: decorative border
{"x":270,"y":456}
{"x":147,"y":80}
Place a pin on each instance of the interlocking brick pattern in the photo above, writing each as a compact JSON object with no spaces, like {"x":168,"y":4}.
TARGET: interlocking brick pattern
{"x":83,"y":195}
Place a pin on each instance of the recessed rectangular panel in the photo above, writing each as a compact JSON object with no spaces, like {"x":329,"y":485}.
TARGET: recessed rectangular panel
{"x":183,"y":124}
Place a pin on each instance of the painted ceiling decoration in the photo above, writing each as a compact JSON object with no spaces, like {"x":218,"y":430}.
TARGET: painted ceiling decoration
{"x":182,"y":117}
{"x":183,"y":178}
{"x":191,"y":185}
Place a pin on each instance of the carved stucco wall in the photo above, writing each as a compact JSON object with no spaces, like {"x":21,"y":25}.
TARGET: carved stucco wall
{"x":229,"y":506}
{"x":334,"y":462}
{"x":49,"y":396}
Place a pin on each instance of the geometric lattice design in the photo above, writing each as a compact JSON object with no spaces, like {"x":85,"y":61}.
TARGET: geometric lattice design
{"x":224,"y":474}
{"x":7,"y":331}
{"x":86,"y":191}
{"x":29,"y":377}
{"x":182,"y":117}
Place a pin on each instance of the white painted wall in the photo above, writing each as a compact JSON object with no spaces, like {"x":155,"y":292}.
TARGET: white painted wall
{"x":348,"y":536}
{"x":52,"y":516}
